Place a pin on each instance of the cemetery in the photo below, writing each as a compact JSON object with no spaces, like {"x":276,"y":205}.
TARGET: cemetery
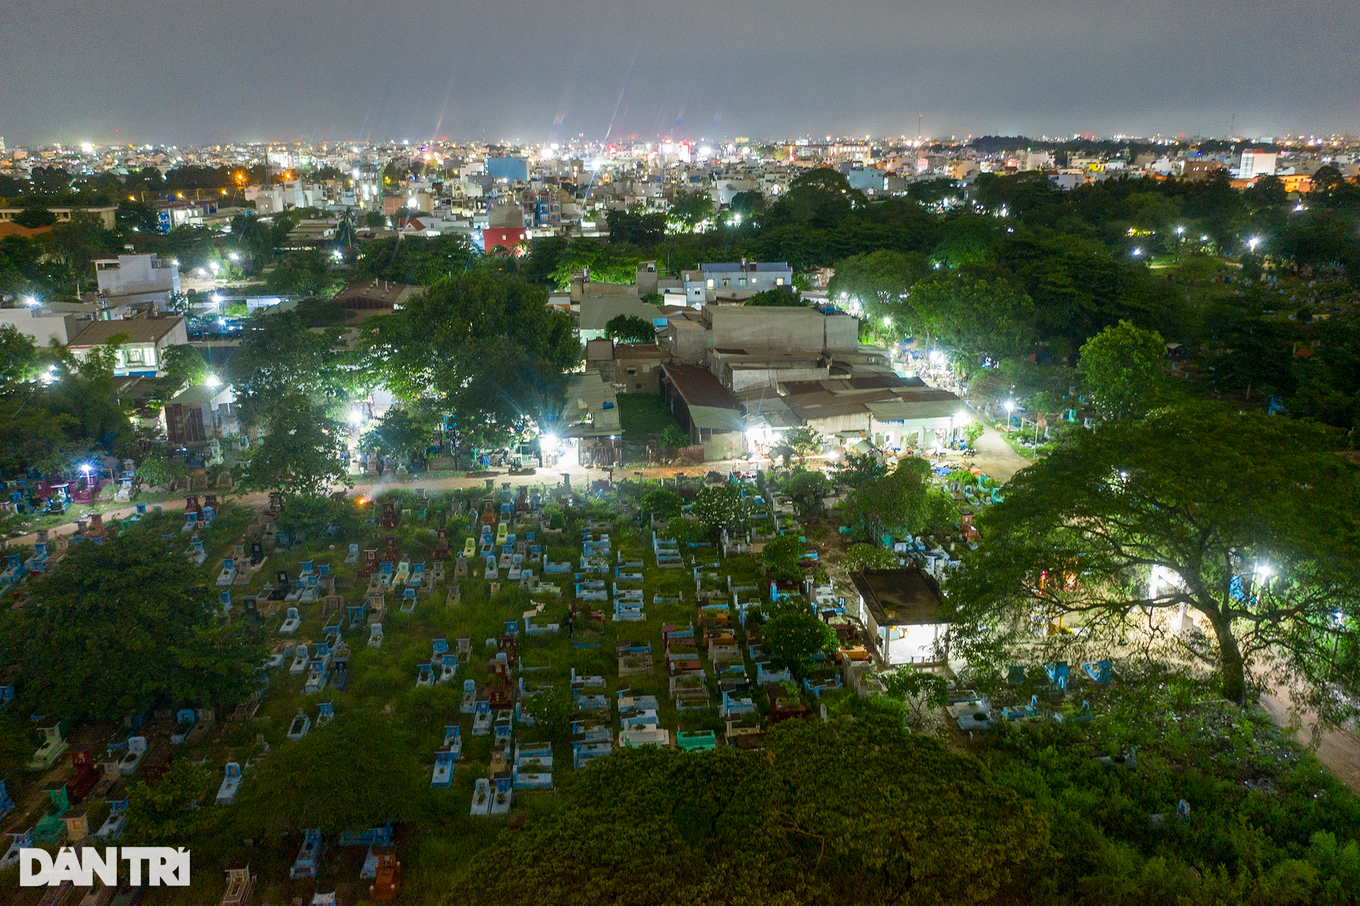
{"x":539,"y":634}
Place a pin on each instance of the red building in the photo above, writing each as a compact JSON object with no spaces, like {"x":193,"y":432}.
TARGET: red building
{"x":509,"y":237}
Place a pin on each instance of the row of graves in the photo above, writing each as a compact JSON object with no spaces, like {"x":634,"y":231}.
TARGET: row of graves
{"x":487,"y":608}
{"x":84,"y":784}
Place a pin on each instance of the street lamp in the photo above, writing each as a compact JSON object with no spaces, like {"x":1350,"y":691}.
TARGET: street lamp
{"x":213,"y":381}
{"x":30,"y":301}
{"x":89,"y":485}
{"x":1010,"y":407}
{"x":1253,"y":242}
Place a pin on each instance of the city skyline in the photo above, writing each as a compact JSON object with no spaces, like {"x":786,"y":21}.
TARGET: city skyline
{"x":200,"y":74}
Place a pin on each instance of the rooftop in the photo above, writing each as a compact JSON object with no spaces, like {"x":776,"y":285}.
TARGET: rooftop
{"x":138,"y":330}
{"x":899,"y":597}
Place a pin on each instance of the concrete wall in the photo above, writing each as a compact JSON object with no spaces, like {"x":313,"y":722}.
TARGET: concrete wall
{"x":43,"y":328}
{"x":803,"y":330}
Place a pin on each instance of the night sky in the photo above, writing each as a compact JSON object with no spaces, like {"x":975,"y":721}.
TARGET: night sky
{"x":537,"y":70}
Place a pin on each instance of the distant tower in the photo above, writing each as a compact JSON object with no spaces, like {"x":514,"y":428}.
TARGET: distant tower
{"x":2,"y":144}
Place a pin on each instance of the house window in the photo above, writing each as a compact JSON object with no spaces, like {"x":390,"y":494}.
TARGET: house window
{"x":632,"y":371}
{"x":778,"y":281}
{"x":134,"y":355}
{"x":710,"y":282}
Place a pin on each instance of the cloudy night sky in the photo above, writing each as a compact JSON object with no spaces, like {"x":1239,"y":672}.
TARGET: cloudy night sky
{"x":533,"y":70}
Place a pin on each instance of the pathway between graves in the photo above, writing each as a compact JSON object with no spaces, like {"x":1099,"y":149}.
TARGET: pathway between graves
{"x":260,"y":499}
{"x":1338,"y":750}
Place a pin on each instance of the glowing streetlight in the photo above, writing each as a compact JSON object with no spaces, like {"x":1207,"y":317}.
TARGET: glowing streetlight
{"x":88,"y":481}
{"x":215,"y":267}
{"x":1137,"y":253}
{"x":1253,"y":242}
{"x":234,"y":256}
{"x":213,"y":381}
{"x":30,"y":301}
{"x":1180,"y":231}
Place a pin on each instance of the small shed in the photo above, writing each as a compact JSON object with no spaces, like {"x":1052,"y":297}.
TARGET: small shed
{"x":901,"y":610}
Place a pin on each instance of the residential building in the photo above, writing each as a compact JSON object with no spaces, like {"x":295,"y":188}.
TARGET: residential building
{"x":140,"y":346}
{"x":508,"y":169}
{"x":755,"y":276}
{"x":43,"y":327}
{"x":196,"y":414}
{"x":705,"y":409}
{"x":1257,"y":163}
{"x":137,"y":280}
{"x":107,"y":216}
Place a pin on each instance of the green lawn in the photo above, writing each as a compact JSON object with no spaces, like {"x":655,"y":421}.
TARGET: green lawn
{"x":642,"y":416}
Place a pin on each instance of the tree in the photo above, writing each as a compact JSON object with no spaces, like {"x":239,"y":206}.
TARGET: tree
{"x":303,"y":453}
{"x":921,"y":695}
{"x":407,"y":431}
{"x":777,"y":298}
{"x":972,"y":432}
{"x":327,"y":780}
{"x":1123,"y":369}
{"x":808,"y":486}
{"x":161,"y":814}
{"x":302,"y":274}
{"x":34,"y":215}
{"x":121,"y":626}
{"x":1247,"y":520}
{"x":804,"y":441}
{"x":662,"y":503}
{"x":719,"y":507}
{"x":636,"y":228}
{"x":973,"y":316}
{"x":630,"y":329}
{"x":794,"y":639}
{"x":860,"y":557}
{"x":884,"y":277}
{"x":657,"y":826}
{"x":673,"y":438}
{"x":859,"y":470}
{"x":690,"y":210}
{"x":482,"y":348}
{"x":183,"y":364}
{"x":18,"y":357}
{"x":279,"y":359}
{"x":894,"y":504}
{"x":780,"y":558}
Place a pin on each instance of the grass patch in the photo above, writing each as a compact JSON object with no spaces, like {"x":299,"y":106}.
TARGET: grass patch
{"x":643,"y":416}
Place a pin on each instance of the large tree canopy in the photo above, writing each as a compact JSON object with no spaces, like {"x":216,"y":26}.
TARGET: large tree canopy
{"x":1123,"y":369}
{"x":482,"y":348}
{"x":849,"y":812}
{"x":1247,"y":520}
{"x":120,"y":626}
{"x":280,"y":359}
